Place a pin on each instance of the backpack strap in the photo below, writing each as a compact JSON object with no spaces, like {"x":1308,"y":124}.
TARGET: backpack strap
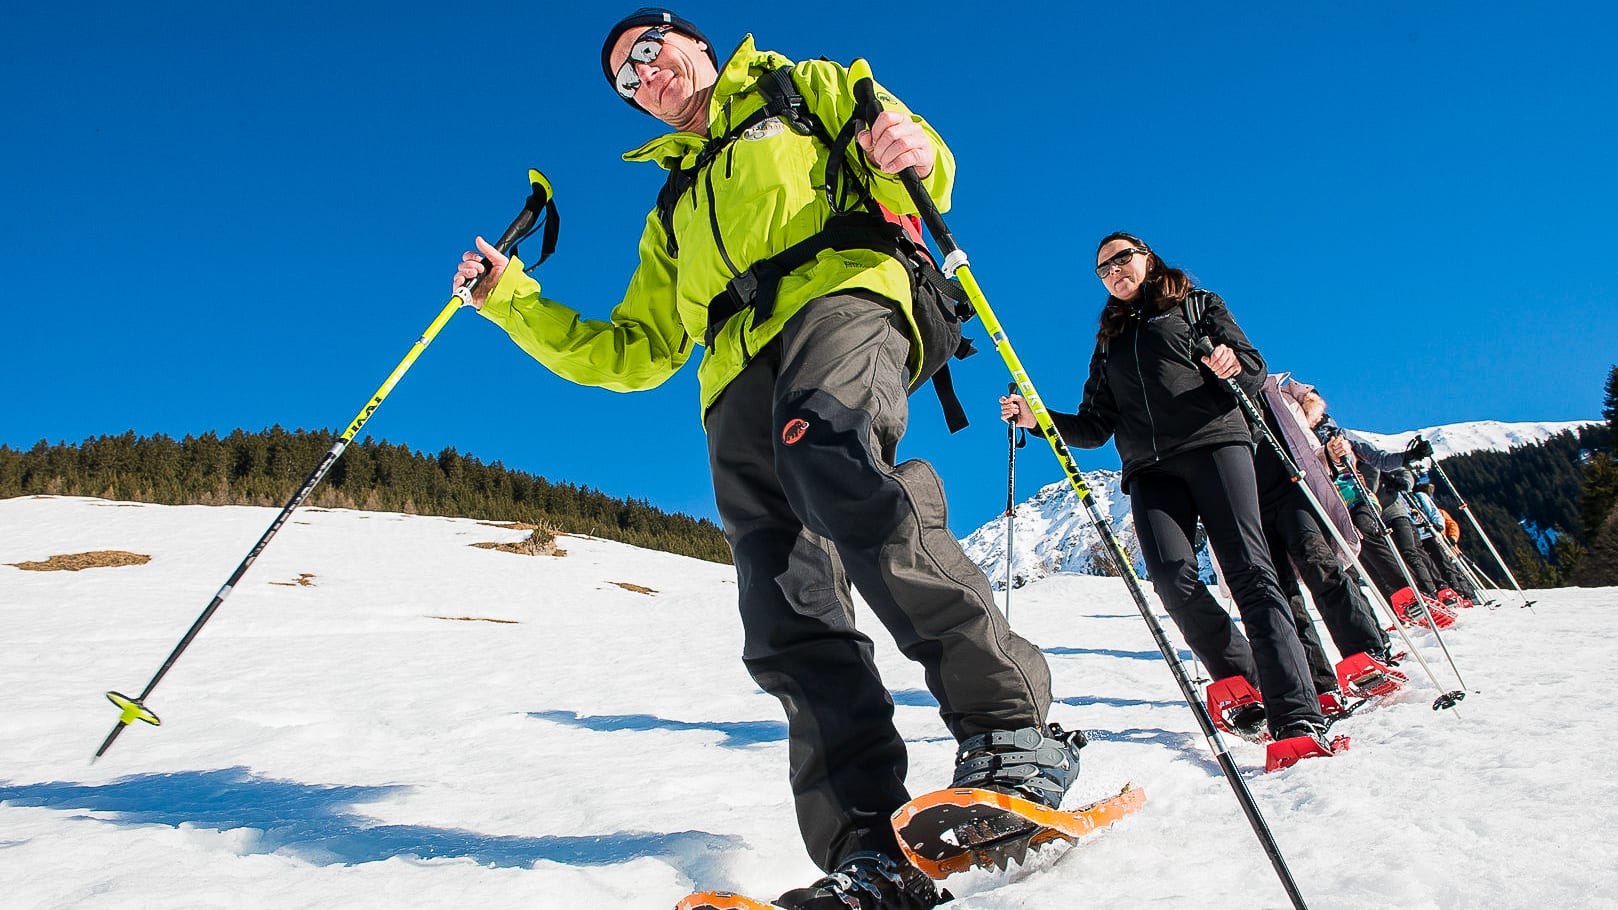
{"x":756,"y":287}
{"x":781,"y":99}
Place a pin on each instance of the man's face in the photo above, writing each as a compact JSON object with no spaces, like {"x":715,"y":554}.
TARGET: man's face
{"x":672,"y":84}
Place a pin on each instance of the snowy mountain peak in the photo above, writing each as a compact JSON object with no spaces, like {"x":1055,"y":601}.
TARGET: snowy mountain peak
{"x":1476,"y":436}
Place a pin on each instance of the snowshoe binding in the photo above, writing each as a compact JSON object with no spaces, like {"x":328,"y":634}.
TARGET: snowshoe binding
{"x":1236,"y":708}
{"x":867,"y":881}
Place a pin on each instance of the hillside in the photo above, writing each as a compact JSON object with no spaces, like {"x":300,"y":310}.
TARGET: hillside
{"x":386,"y":715}
{"x":267,"y":467}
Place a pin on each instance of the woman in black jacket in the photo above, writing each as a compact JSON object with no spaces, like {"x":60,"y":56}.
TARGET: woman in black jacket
{"x":1187,"y":453}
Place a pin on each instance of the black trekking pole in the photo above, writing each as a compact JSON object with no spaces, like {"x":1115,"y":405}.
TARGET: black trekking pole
{"x":1445,"y":563}
{"x":1011,"y":498}
{"x":955,"y":265}
{"x":1467,"y":510}
{"x":539,"y":203}
{"x":1448,"y":699}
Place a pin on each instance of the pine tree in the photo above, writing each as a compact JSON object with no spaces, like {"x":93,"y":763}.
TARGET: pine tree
{"x":1598,"y":506}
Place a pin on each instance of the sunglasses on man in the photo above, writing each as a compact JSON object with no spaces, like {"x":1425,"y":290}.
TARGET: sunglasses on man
{"x":645,"y":50}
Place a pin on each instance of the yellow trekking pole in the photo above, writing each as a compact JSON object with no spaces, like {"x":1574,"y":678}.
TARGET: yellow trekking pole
{"x":539,"y":203}
{"x":955,"y":265}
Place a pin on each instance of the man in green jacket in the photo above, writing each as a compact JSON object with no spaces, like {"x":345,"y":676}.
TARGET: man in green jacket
{"x":803,"y":386}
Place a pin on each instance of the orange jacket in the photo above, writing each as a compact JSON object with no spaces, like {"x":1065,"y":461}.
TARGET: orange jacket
{"x":1452,"y":528}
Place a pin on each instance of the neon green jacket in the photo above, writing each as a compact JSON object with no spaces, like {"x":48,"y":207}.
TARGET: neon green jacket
{"x":766,"y":197}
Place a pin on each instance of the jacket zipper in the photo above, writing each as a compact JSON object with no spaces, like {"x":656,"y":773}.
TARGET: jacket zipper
{"x":1140,"y":325}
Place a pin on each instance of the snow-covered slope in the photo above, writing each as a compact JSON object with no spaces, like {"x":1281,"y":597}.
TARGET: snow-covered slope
{"x":1052,"y":533}
{"x":384,"y":715}
{"x":1476,"y":436}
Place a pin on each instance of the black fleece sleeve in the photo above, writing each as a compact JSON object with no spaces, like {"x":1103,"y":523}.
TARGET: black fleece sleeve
{"x":1092,"y":426}
{"x":1221,"y":328}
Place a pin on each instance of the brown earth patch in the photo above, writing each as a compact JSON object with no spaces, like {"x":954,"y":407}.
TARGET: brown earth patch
{"x":304,"y":580}
{"x":95,"y":559}
{"x":512,"y":622}
{"x":631,"y":586}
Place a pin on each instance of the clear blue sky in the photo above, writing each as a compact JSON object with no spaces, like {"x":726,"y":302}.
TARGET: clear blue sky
{"x":221,"y":215}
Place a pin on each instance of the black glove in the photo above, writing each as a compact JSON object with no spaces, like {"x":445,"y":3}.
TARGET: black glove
{"x":1418,"y":450}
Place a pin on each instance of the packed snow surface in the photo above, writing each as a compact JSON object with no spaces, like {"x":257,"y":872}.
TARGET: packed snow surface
{"x":384,"y":715}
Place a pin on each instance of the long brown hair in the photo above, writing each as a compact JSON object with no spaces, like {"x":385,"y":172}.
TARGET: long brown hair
{"x":1163,"y":287}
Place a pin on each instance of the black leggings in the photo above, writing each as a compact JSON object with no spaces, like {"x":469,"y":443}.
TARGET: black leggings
{"x":1216,"y":484}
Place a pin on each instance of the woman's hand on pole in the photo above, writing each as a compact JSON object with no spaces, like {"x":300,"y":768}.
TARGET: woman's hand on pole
{"x":1337,"y":448}
{"x":472,"y":265}
{"x":1223,"y":362}
{"x":1014,"y":409}
{"x":895,"y":142}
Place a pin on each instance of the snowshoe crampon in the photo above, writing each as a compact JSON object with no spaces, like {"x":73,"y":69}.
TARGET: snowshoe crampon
{"x":1235,"y":707}
{"x":950,"y":831}
{"x":1364,"y":676}
{"x":722,"y":900}
{"x":1284,"y":753}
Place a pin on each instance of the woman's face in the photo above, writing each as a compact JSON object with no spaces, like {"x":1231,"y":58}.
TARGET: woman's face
{"x":1124,"y":270}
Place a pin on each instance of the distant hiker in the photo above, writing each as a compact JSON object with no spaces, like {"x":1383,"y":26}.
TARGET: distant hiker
{"x":1401,"y":518}
{"x":1350,"y":452}
{"x":1301,"y":546}
{"x":806,"y":365}
{"x":1434,"y":540}
{"x":1187,"y":453}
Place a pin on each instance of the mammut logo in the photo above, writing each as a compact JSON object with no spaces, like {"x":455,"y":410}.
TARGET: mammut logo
{"x":764,"y":129}
{"x":794,"y":430}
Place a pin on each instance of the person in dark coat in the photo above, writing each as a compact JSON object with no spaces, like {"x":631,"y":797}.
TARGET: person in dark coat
{"x":1187,"y":454}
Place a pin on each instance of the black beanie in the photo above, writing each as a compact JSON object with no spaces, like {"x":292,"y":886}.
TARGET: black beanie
{"x":646,"y":17}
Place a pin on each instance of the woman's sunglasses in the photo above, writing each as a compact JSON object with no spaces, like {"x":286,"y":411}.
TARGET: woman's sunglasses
{"x":644,"y":50}
{"x":1117,"y":261}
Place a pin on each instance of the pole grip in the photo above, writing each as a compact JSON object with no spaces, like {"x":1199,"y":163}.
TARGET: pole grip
{"x":867,"y":107}
{"x":539,"y":202}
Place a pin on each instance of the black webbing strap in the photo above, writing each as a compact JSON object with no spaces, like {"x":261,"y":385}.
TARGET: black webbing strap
{"x":944,"y":385}
{"x":756,"y":287}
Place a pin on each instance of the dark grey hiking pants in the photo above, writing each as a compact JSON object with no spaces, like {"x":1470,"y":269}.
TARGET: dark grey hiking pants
{"x":802,"y":446}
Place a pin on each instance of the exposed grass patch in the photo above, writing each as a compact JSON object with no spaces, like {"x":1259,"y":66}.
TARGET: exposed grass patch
{"x":542,"y":542}
{"x":95,"y":559}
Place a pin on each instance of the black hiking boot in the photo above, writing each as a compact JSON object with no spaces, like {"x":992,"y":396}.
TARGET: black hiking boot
{"x":867,"y":881}
{"x":1309,"y":728}
{"x":1247,"y":721}
{"x":1032,"y":763}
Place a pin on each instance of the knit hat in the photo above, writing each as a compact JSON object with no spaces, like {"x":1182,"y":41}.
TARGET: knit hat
{"x":646,"y":17}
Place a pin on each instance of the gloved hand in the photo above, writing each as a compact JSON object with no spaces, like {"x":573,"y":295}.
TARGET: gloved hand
{"x":1418,"y":450}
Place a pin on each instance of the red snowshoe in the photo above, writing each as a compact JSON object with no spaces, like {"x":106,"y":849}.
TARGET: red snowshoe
{"x":1236,"y":708}
{"x":1363,"y":676}
{"x":1422,"y":611}
{"x":1453,"y":600}
{"x":1308,"y":742}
